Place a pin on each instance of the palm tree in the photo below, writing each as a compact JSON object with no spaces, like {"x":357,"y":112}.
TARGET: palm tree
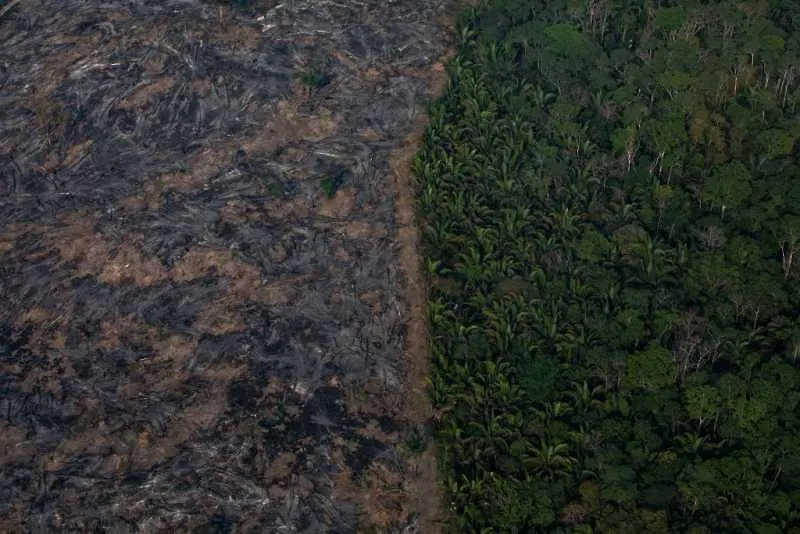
{"x":477,"y":208}
{"x":585,"y":442}
{"x":439,"y":235}
{"x":578,"y":189}
{"x":445,"y":363}
{"x":478,"y":301}
{"x":470,"y":159}
{"x":504,"y":268}
{"x":428,"y":199}
{"x":452,"y":165}
{"x":513,"y":223}
{"x":577,"y":289}
{"x":569,"y":341}
{"x":470,"y":266}
{"x":461,"y":69}
{"x":564,"y":224}
{"x":538,"y":183}
{"x":440,"y":315}
{"x":487,"y":239}
{"x":556,"y":410}
{"x":542,"y":98}
{"x":550,"y":460}
{"x":549,"y":322}
{"x":623,"y":212}
{"x":442,"y":392}
{"x":491,"y":56}
{"x":518,"y":132}
{"x":467,"y":494}
{"x":618,"y":401}
{"x":488,"y":439}
{"x":584,"y":396}
{"x":549,"y":413}
{"x":499,"y":326}
{"x":691,"y":442}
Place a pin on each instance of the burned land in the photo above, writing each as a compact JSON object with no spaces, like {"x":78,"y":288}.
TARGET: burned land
{"x":211,"y":316}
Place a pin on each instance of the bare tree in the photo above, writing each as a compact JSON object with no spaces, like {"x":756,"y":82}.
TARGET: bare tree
{"x":690,"y":349}
{"x":713,"y":237}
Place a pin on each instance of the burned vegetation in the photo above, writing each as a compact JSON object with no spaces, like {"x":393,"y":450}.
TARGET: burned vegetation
{"x":210,"y":314}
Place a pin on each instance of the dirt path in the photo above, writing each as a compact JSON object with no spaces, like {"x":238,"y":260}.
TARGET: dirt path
{"x":213,"y":314}
{"x":421,"y":487}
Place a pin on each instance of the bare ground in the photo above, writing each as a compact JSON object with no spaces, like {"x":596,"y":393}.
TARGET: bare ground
{"x":194,"y":335}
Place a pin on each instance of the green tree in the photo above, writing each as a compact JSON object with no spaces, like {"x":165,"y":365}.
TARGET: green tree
{"x":704,"y":404}
{"x":729,"y":187}
{"x":651,"y":369}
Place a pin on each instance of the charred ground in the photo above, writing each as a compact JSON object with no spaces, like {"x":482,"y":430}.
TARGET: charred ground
{"x":211,"y":311}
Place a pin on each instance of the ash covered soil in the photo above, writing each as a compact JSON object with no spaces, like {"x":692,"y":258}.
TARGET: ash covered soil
{"x":211,"y":315}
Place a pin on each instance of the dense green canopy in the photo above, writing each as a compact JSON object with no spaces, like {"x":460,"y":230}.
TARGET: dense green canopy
{"x":611,"y":197}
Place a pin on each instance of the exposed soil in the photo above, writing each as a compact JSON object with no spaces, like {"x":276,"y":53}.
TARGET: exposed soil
{"x":213,"y":314}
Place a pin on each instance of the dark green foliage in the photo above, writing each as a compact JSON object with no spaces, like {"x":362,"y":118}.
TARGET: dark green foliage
{"x":275,"y":188}
{"x":611,"y":197}
{"x":315,"y":79}
{"x":330,"y":186}
{"x":416,"y":441}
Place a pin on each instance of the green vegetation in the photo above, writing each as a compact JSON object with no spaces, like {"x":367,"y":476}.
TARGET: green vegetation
{"x":330,"y":186}
{"x":276,"y":189}
{"x":315,"y":79}
{"x":611,"y":197}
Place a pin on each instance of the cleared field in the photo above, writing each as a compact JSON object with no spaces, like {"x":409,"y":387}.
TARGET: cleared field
{"x":212,"y":317}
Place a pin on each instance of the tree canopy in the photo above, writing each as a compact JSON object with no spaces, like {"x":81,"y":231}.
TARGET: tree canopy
{"x":611,"y":199}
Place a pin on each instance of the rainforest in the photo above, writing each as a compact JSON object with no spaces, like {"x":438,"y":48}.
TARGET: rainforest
{"x":609,"y":193}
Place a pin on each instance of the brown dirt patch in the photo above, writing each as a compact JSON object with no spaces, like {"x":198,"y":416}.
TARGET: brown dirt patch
{"x":424,"y":489}
{"x":291,"y":124}
{"x":340,"y":206}
{"x":80,"y":245}
{"x":147,"y":92}
{"x":200,"y":262}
